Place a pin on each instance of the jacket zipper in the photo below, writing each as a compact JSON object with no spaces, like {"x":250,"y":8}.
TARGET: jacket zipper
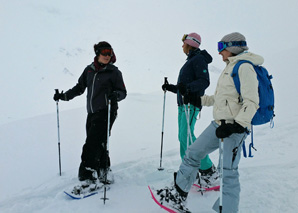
{"x":92,"y":92}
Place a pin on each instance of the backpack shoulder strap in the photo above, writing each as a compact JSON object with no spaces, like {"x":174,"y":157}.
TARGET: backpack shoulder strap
{"x":237,"y":85}
{"x":235,"y":73}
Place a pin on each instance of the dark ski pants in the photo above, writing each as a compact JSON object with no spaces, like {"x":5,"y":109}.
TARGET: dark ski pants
{"x":206,"y":143}
{"x":94,"y":153}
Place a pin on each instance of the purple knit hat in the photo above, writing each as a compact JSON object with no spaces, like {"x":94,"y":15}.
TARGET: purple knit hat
{"x":192,"y":39}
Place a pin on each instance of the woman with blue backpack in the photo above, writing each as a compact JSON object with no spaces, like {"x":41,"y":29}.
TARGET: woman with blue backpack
{"x":232,"y":115}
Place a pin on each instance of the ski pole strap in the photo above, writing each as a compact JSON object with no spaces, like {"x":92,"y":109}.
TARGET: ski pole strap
{"x":249,"y":150}
{"x":244,"y":150}
{"x":250,"y":153}
{"x":251,"y":145}
{"x":271,"y":123}
{"x":235,"y":150}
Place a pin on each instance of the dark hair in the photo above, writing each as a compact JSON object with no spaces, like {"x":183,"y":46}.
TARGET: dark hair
{"x":101,"y":45}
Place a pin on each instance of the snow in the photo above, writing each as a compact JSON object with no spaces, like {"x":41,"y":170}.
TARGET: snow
{"x":46,"y":45}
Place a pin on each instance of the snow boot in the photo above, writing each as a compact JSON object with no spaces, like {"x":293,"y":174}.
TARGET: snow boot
{"x":86,"y":173}
{"x":209,"y":177}
{"x":171,"y":198}
{"x":106,"y":176}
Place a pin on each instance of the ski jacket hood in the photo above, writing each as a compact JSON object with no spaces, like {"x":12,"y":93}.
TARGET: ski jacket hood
{"x":254,"y":58}
{"x":204,"y":53}
{"x":227,"y":103}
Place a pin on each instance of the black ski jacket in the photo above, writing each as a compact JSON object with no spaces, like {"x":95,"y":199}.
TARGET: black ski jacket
{"x":194,"y":75}
{"x":99,"y":83}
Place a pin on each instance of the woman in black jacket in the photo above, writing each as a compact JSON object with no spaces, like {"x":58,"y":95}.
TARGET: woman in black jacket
{"x":103,"y":81}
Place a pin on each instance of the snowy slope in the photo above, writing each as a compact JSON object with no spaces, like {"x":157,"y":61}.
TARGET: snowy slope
{"x":31,"y":183}
{"x":46,"y":44}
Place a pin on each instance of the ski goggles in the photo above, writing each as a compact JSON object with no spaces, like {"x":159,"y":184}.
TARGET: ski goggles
{"x":106,"y":52}
{"x":223,"y":45}
{"x":186,"y":36}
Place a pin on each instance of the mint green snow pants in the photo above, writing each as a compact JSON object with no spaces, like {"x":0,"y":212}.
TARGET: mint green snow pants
{"x":206,"y":163}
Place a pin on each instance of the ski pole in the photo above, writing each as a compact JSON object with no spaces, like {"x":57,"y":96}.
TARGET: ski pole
{"x":107,"y":149}
{"x":221,"y":174}
{"x":162,"y":128}
{"x":58,"y":126}
{"x":189,"y":136}
{"x":187,"y":112}
{"x":221,"y":152}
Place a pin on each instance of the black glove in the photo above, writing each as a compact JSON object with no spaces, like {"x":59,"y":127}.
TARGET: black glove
{"x":182,"y":89}
{"x":197,"y":101}
{"x":60,"y":96}
{"x":187,"y":99}
{"x":192,"y":99}
{"x":225,"y":130}
{"x":113,"y":96}
{"x":165,"y":86}
{"x":168,"y":87}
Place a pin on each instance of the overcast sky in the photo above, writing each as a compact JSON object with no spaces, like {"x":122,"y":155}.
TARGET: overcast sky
{"x":47,"y":44}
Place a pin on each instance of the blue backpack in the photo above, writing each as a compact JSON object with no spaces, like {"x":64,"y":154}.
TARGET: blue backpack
{"x":265,"y":112}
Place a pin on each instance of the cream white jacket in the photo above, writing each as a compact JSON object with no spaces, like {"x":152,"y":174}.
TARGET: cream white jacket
{"x":226,"y":102}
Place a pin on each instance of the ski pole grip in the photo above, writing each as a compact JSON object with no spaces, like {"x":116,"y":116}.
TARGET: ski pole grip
{"x":166,"y":80}
{"x":223,"y":122}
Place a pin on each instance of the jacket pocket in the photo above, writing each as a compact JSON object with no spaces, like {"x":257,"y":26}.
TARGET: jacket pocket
{"x":233,"y":107}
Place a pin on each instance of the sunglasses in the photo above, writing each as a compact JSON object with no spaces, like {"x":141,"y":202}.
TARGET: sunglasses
{"x":223,"y":45}
{"x":106,"y":52}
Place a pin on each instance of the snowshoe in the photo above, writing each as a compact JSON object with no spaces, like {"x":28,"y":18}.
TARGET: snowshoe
{"x":85,"y":189}
{"x":171,"y":198}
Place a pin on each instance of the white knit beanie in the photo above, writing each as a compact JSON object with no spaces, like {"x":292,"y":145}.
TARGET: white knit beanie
{"x":235,"y":37}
